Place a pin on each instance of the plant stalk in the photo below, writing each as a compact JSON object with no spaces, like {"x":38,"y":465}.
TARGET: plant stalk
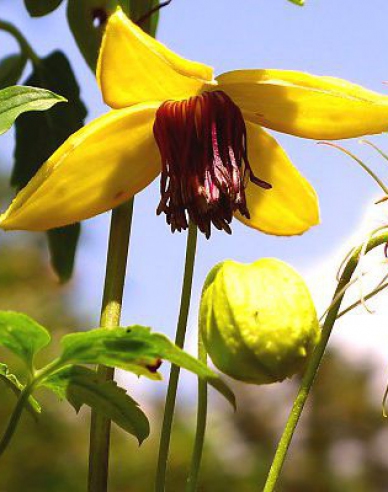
{"x":120,"y":230}
{"x":175,"y":370}
{"x":315,"y":360}
{"x":192,"y":481}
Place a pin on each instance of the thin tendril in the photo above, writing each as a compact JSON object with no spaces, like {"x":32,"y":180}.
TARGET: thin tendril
{"x":360,"y":162}
{"x":374,"y":146}
{"x":371,"y":294}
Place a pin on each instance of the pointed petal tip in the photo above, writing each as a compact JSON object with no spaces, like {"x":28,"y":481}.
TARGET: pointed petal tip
{"x":134,"y":67}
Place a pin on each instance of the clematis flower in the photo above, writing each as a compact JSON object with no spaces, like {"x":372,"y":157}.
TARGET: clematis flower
{"x":203,"y":135}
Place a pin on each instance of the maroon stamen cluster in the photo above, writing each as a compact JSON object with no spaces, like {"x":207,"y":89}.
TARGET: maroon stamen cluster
{"x":205,"y":167}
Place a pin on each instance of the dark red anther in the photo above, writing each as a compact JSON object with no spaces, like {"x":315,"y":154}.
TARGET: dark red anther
{"x":205,"y":166}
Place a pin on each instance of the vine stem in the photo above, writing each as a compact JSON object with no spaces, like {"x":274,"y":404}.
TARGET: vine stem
{"x":120,"y":230}
{"x":315,"y":360}
{"x":15,"y":417}
{"x":192,"y":482}
{"x":23,"y":43}
{"x":22,"y":402}
{"x":175,"y":370}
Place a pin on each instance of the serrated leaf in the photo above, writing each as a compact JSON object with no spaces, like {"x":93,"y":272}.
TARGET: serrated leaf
{"x":18,"y":99}
{"x":139,"y":8}
{"x":39,"y":135}
{"x":17,"y":387}
{"x":37,"y":8}
{"x":63,"y":245}
{"x":22,"y":335}
{"x":11,"y":69}
{"x":137,"y":350}
{"x":87,"y":22}
{"x":80,"y":386}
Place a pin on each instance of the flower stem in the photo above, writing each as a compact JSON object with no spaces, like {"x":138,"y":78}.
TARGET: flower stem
{"x":315,"y":360}
{"x":120,"y":230}
{"x":175,"y":370}
{"x":192,"y":482}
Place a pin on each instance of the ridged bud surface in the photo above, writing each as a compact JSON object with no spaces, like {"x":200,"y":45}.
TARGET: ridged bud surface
{"x":258,"y":321}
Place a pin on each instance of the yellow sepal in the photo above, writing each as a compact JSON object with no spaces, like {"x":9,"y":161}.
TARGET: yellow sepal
{"x":133,"y":67}
{"x":291,"y":206}
{"x":97,"y":168}
{"x":306,"y":105}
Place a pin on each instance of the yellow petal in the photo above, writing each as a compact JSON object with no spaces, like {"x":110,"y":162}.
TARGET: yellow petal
{"x":133,"y":67}
{"x":291,"y":205}
{"x":306,"y":105}
{"x":96,"y":169}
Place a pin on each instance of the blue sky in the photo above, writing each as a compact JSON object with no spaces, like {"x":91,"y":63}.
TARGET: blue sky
{"x":344,"y":38}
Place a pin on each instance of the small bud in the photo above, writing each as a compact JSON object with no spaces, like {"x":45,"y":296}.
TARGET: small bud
{"x":258,"y":321}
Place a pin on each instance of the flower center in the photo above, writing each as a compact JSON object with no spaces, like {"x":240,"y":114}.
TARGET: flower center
{"x":205,"y":167}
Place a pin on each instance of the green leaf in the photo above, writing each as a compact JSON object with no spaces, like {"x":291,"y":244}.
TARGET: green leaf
{"x":134,"y":349}
{"x":17,"y":99}
{"x":37,"y":8}
{"x":80,"y":386}
{"x":297,"y":2}
{"x":17,"y":387}
{"x":87,"y":21}
{"x":22,"y":335}
{"x":11,"y":69}
{"x":63,"y":245}
{"x":39,"y":135}
{"x":139,"y":8}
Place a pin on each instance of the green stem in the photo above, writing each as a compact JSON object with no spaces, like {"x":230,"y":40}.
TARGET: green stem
{"x":314,"y":362}
{"x":15,"y":417}
{"x":175,"y":370}
{"x":192,"y":482}
{"x":22,"y":402}
{"x":23,"y":43}
{"x":120,"y":230}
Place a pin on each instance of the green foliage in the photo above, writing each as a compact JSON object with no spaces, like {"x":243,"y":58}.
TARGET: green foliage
{"x":23,"y":336}
{"x":11,"y":68}
{"x":87,"y":21}
{"x":297,"y":2}
{"x":139,"y":8}
{"x":134,"y":349}
{"x":37,"y":8}
{"x":17,"y":387}
{"x":38,"y":136}
{"x":80,"y":386}
{"x":16,"y":100}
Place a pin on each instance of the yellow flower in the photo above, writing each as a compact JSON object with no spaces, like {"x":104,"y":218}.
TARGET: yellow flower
{"x":203,"y":134}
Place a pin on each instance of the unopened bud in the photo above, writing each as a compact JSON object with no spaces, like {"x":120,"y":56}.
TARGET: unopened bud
{"x":258,"y":321}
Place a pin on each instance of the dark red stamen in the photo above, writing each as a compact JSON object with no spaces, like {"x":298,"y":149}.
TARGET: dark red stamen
{"x":205,"y":167}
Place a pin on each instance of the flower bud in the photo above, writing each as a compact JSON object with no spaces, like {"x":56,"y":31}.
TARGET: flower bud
{"x":258,"y":321}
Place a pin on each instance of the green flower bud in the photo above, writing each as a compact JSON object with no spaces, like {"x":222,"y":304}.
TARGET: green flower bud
{"x":258,"y":321}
